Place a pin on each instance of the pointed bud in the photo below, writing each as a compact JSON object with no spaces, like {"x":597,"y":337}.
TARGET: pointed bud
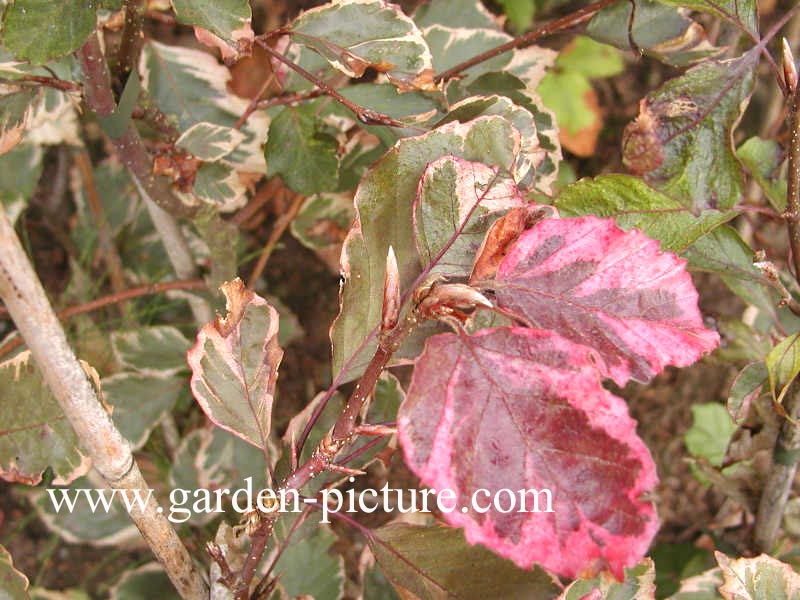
{"x":789,"y":68}
{"x":391,"y":293}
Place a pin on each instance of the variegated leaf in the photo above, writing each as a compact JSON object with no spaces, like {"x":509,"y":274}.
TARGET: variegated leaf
{"x":235,"y":363}
{"x":353,"y":35}
{"x":607,"y":289}
{"x":520,"y":409}
{"x":384,"y":204}
{"x":34,"y":433}
{"x":208,"y":141}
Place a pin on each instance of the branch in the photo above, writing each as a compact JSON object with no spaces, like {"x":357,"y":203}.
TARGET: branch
{"x":329,"y":447}
{"x":787,"y":446}
{"x":128,"y":147}
{"x":571,"y":20}
{"x":792,"y":214}
{"x":161,"y":204}
{"x":111,"y":455}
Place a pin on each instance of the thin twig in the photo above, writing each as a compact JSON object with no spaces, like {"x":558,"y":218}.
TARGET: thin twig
{"x":275,"y":235}
{"x":364,"y":115}
{"x":571,"y":20}
{"x":290,"y":98}
{"x":106,"y":247}
{"x":51,"y":82}
{"x":787,"y":445}
{"x":130,"y":294}
{"x":254,"y":102}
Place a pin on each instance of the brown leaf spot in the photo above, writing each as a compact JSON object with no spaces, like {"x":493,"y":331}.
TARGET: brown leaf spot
{"x":642,"y":150}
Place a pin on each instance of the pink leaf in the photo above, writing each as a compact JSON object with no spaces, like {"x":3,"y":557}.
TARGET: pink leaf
{"x":607,"y":289}
{"x":235,"y":363}
{"x":520,"y":409}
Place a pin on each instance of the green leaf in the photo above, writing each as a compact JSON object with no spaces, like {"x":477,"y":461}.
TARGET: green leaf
{"x":468,"y":14}
{"x":757,"y":578}
{"x":762,"y":159}
{"x":140,"y":402}
{"x":746,"y":387}
{"x":17,"y":105}
{"x":207,"y":141}
{"x":156,"y":350}
{"x":725,"y":253}
{"x":660,"y":31}
{"x":566,"y":95}
{"x":676,"y":562}
{"x":710,"y":433}
{"x":519,"y":12}
{"x":682,"y":141}
{"x":13,"y":584}
{"x":228,"y":19}
{"x":147,"y":581}
{"x":410,"y":107}
{"x":34,"y":433}
{"x":437,"y":563}
{"x":302,"y":150}
{"x":634,"y":204}
{"x":322,"y":578}
{"x":353,"y":35}
{"x":590,"y":58}
{"x":639,"y":583}
{"x":38,"y":30}
{"x":384,"y":202}
{"x":516,"y":88}
{"x":235,"y":363}
{"x":738,"y":12}
{"x":783,"y":365}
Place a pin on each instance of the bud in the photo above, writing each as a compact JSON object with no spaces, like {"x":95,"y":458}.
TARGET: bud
{"x":789,"y":68}
{"x":391,"y":293}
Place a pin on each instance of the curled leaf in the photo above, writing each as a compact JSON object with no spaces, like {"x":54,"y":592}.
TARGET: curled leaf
{"x":235,"y":363}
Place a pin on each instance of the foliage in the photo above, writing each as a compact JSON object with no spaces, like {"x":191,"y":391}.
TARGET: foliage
{"x":426,"y":168}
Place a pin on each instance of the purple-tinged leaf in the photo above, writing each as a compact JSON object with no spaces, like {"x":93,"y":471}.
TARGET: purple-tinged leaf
{"x":607,"y":289}
{"x":457,"y":197}
{"x":520,"y":409}
{"x":234,"y":365}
